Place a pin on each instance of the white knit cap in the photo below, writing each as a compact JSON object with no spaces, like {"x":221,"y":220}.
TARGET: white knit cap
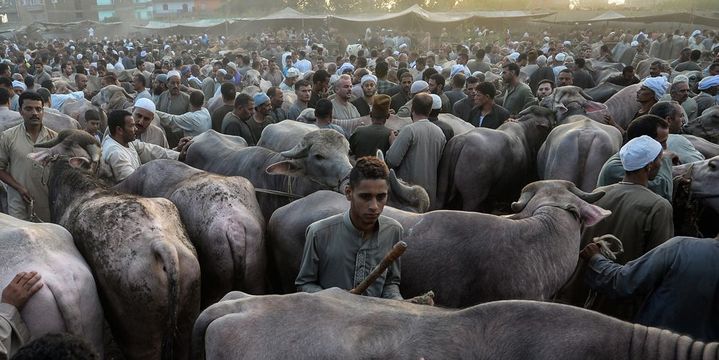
{"x":436,"y":102}
{"x":145,"y":103}
{"x":639,"y":152}
{"x":657,"y":84}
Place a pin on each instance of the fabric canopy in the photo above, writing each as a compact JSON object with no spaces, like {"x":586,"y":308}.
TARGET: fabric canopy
{"x":413,"y":13}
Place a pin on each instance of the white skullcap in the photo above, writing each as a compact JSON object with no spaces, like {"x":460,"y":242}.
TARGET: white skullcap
{"x":436,"y":102}
{"x":79,"y":56}
{"x":145,"y":103}
{"x":172,"y":73}
{"x":541,"y":60}
{"x":293,"y":72}
{"x":367,"y":78}
{"x":418,"y":86}
{"x":560,"y":57}
{"x":513,"y":56}
{"x":110,"y":67}
{"x":708,"y":82}
{"x":143,"y":53}
{"x":19,"y":85}
{"x":167,"y":47}
{"x":680,"y":78}
{"x":656,"y":84}
{"x":639,"y":152}
{"x":567,"y":43}
{"x":546,"y":39}
{"x":634,"y":43}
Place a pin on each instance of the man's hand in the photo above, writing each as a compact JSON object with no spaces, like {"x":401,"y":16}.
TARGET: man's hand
{"x":25,"y":194}
{"x":590,"y":250}
{"x":392,"y":136}
{"x":21,"y":288}
{"x":673,"y":156}
{"x":182,"y":146}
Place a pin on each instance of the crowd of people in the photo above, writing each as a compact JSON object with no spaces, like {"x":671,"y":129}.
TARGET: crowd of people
{"x":183,"y":86}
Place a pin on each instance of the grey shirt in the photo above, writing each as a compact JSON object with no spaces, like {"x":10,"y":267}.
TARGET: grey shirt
{"x":415,"y":155}
{"x":175,"y":105}
{"x":344,"y":112}
{"x":336,"y":254}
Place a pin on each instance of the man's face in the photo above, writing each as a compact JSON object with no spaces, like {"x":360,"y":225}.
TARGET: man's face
{"x":644,"y":94}
{"x":263,"y":109}
{"x":304,"y":93}
{"x":629,"y":74}
{"x":245,"y":112}
{"x":462,"y":59}
{"x":291,"y":80}
{"x":480,"y":99}
{"x":92,"y":126}
{"x":128,"y":131}
{"x":434,"y":88}
{"x":369,"y":88}
{"x":430,"y":62}
{"x":81,"y":82}
{"x":93,"y":71}
{"x":544,"y":90}
{"x":138,"y":85}
{"x":174,"y":85}
{"x":565,"y":79}
{"x":32,"y":112}
{"x":654,"y":71}
{"x":39,"y":68}
{"x":17,"y":91}
{"x":507,"y":75}
{"x":676,"y":122}
{"x":143,"y":118}
{"x":367,"y":200}
{"x":680,"y":92}
{"x":68,"y":69}
{"x":406,"y":83}
{"x":344,"y":88}
{"x":276,"y":100}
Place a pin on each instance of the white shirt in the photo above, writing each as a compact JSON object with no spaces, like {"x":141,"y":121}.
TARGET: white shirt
{"x":123,"y":161}
{"x":191,"y":123}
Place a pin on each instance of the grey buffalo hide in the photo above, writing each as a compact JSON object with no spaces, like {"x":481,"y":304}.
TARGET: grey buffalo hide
{"x":485,"y":166}
{"x":222,"y":218}
{"x":68,"y":300}
{"x":577,"y":151}
{"x":463,"y":256}
{"x":145,"y":267}
{"x":333,"y":324}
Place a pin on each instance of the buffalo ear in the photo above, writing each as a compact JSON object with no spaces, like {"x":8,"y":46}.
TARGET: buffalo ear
{"x":79,"y":162}
{"x":286,"y":167}
{"x":593,"y":106}
{"x":41,"y":157}
{"x":592,"y":214}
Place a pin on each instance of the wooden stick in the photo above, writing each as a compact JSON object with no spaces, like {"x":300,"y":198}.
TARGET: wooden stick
{"x":397,"y":251}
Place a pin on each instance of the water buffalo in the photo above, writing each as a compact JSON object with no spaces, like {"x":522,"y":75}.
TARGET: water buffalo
{"x":704,"y":176}
{"x":566,"y":101}
{"x":284,"y":135}
{"x":576,"y":151}
{"x":68,"y":302}
{"x":603,"y":91}
{"x":705,"y":126}
{"x":621,"y":107}
{"x":320,"y":161}
{"x":145,"y":266}
{"x":112,"y":97}
{"x":486,"y":165}
{"x":359,"y":327}
{"x":704,"y":146}
{"x":222,"y":218}
{"x":76,"y":109}
{"x":464,"y":256}
{"x":58,"y":121}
